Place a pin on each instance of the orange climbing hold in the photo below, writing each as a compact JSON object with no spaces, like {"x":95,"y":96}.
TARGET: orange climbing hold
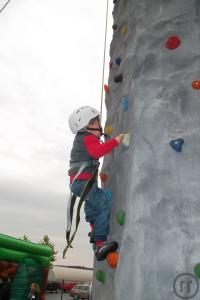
{"x":103,"y":177}
{"x":196,"y":84}
{"x":108,"y":130}
{"x":106,"y":89}
{"x":112,"y":259}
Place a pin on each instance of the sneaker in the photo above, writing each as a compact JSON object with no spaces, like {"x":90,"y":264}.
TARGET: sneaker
{"x":102,"y":251}
{"x":91,"y":236}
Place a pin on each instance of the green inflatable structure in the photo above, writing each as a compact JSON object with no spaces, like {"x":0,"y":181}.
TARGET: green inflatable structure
{"x":24,"y":263}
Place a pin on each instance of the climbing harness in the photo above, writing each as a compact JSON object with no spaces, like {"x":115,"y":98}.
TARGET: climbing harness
{"x":72,"y":200}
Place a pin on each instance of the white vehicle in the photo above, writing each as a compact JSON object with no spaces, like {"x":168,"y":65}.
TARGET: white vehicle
{"x":80,"y":291}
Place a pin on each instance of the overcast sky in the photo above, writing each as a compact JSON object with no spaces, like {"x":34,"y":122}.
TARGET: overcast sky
{"x":51,"y":56}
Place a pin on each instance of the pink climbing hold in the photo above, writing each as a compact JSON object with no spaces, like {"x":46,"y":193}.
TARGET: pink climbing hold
{"x":173,"y":42}
{"x":110,"y":65}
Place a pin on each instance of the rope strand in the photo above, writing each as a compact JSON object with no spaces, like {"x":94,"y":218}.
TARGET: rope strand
{"x":104,"y":57}
{"x":4,"y":6}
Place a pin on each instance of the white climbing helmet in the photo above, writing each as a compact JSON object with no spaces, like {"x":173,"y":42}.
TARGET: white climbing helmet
{"x":80,"y":117}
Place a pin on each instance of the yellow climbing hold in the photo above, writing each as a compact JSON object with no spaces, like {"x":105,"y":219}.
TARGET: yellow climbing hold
{"x":125,"y":29}
{"x":108,"y":130}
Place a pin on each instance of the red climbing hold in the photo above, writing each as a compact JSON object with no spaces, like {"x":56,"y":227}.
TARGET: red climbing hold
{"x":173,"y":42}
{"x":196,"y":84}
{"x":112,"y":259}
{"x":104,"y":177}
{"x":110,"y":65}
{"x":106,"y":89}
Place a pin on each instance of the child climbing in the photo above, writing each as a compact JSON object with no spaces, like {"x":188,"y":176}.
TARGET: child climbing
{"x":86,"y":151}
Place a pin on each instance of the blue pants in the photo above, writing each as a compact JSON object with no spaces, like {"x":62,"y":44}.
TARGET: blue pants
{"x":97,"y":208}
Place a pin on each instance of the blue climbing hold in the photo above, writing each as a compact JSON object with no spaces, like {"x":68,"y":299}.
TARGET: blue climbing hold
{"x":108,"y":194}
{"x":177,"y":144}
{"x":118,"y":61}
{"x":124,"y":103}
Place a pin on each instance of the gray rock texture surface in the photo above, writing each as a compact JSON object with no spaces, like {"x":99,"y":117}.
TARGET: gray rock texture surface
{"x":157,"y":187}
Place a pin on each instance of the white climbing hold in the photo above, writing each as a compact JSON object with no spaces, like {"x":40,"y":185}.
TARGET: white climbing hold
{"x":126,"y":139}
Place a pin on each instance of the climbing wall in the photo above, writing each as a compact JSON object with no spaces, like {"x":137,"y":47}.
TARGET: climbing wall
{"x":152,"y":180}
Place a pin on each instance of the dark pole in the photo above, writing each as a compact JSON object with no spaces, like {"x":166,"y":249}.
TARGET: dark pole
{"x":62,"y":289}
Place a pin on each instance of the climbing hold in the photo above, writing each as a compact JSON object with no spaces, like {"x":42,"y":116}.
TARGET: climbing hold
{"x":120,"y":216}
{"x":108,"y":130}
{"x":103,"y":177}
{"x":106,"y":89}
{"x":112,"y":259}
{"x":118,"y":78}
{"x":196,"y":84}
{"x":173,"y":42}
{"x":118,"y":61}
{"x":126,"y":139}
{"x":177,"y":144}
{"x":124,"y":103}
{"x":108,"y":194}
{"x":114,"y":27}
{"x":110,"y":65}
{"x":101,"y":276}
{"x":197,"y":270}
{"x":125,"y":29}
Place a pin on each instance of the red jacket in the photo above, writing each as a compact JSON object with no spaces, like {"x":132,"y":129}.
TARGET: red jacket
{"x":96,"y":149}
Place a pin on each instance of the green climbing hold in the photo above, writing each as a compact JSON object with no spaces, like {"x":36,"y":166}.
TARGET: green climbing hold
{"x":197,"y":270}
{"x":120,"y":216}
{"x":100,"y":276}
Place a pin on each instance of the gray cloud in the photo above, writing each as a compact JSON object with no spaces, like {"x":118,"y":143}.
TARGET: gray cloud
{"x":35,"y":212}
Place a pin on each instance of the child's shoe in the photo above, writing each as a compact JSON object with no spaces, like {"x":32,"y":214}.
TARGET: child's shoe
{"x":103,"y":250}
